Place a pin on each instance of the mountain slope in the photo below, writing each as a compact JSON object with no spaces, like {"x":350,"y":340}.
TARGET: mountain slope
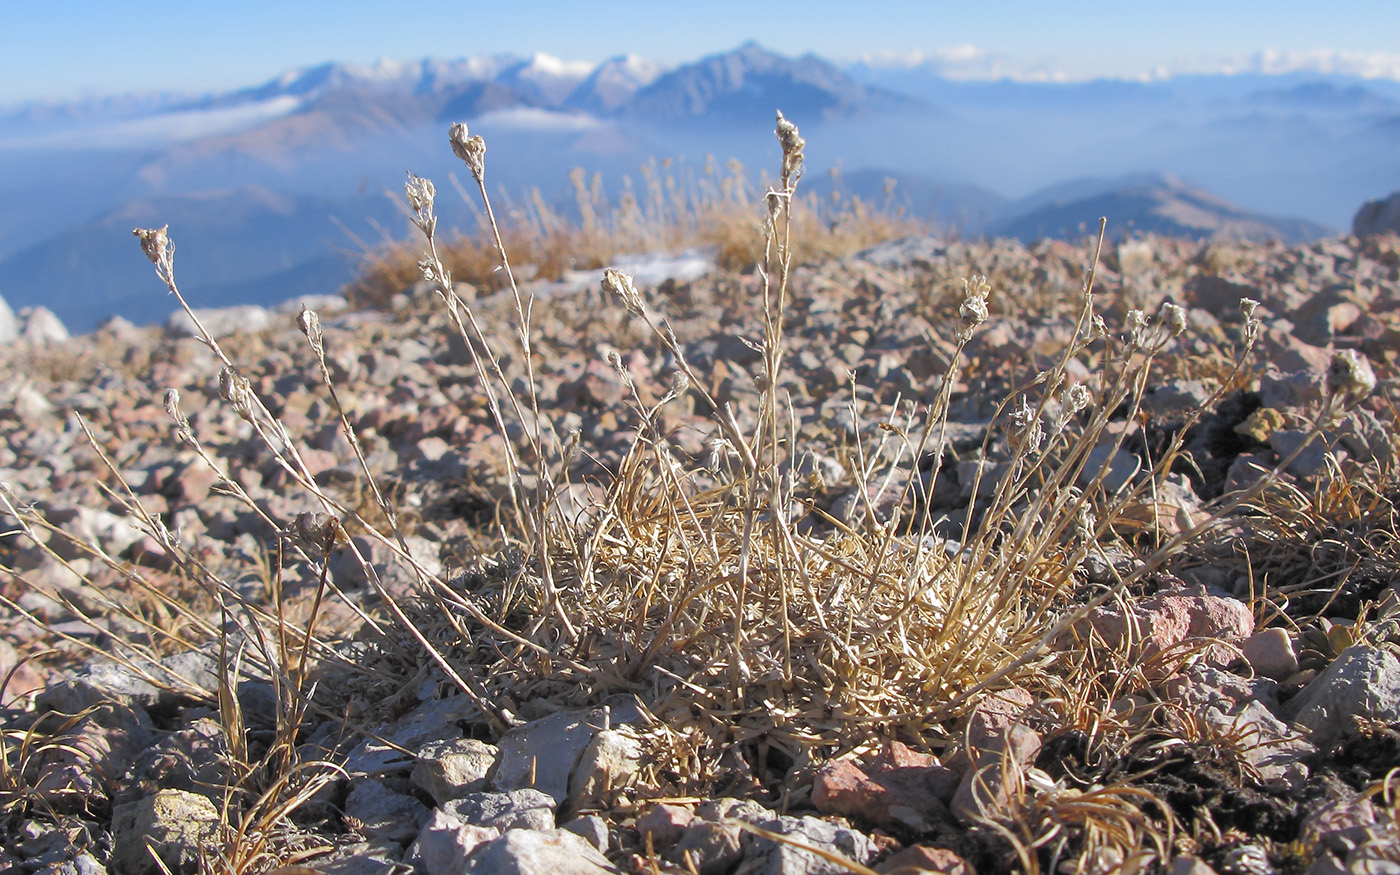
{"x":749,"y":83}
{"x":244,"y":246}
{"x":1157,"y":205}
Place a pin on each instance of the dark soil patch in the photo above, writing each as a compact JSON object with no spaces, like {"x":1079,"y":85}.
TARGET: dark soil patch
{"x":1201,"y":783}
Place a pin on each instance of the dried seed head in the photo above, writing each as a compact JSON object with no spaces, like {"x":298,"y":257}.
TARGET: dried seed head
{"x":973,"y":310}
{"x":1349,"y":378}
{"x":774,"y":202}
{"x":679,"y":384}
{"x":1172,"y":318}
{"x":310,"y":325}
{"x":172,"y":404}
{"x":1074,"y":400}
{"x":1252,"y":323}
{"x":792,"y":144}
{"x":236,"y":390}
{"x":314,"y":532}
{"x":1027,"y":435}
{"x":1136,"y":323}
{"x":719,"y":451}
{"x":155,"y":242}
{"x":420,"y":193}
{"x":183,"y":433}
{"x":1085,"y":525}
{"x":429,"y":268}
{"x":1078,"y":397}
{"x":614,"y":358}
{"x":471,"y":149}
{"x":615,"y":282}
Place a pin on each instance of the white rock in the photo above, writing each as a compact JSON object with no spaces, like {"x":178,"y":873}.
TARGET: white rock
{"x":9,"y":325}
{"x":1362,"y":682}
{"x":40,"y":326}
{"x":609,"y":762}
{"x":220,"y":322}
{"x":543,"y":754}
{"x":446,"y":842}
{"x":451,"y":769}
{"x":530,"y":852}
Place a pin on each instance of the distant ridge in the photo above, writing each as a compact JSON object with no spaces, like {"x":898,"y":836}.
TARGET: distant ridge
{"x":747,"y":83}
{"x":1158,"y":204}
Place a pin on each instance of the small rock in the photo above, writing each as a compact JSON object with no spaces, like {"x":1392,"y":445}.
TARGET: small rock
{"x":1270,"y":653}
{"x":519,"y":809}
{"x":453,"y":768}
{"x":385,"y":813}
{"x":1311,"y":455}
{"x":445,"y":843}
{"x":220,"y":322}
{"x":174,"y":824}
{"x":1362,"y":682}
{"x":362,"y":858}
{"x":1189,"y":865}
{"x":1157,"y":625}
{"x":764,"y":856}
{"x":1121,"y":467}
{"x":592,"y":828}
{"x":532,"y":852}
{"x":664,"y":824}
{"x":1221,"y":296}
{"x":39,"y":326}
{"x":898,"y":787}
{"x":1339,"y":825}
{"x":925,"y":858}
{"x":434,"y":720}
{"x":1378,"y":217}
{"x":544,"y":753}
{"x":9,"y":324}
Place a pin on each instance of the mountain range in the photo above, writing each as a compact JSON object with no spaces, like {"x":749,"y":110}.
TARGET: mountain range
{"x":274,"y":190}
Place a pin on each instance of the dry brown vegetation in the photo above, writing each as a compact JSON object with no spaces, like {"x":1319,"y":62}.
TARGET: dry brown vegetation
{"x":676,"y":210}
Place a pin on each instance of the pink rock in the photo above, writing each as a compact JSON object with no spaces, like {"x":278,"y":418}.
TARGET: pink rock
{"x":319,"y":461}
{"x":25,"y":679}
{"x":194,"y":483}
{"x":899,"y":786}
{"x":665,"y":824}
{"x":1270,"y":653}
{"x":924,"y":858}
{"x":988,"y":721}
{"x":433,"y":448}
{"x":1156,"y":626}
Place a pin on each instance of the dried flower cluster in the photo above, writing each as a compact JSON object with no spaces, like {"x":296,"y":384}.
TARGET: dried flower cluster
{"x":470,"y":148}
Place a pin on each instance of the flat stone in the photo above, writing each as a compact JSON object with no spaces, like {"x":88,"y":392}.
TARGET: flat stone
{"x":519,"y":809}
{"x":532,"y":852}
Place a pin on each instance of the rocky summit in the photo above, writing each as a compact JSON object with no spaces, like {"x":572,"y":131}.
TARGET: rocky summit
{"x":325,"y":604}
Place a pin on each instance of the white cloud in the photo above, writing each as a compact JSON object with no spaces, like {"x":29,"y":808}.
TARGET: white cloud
{"x":1367,"y":65}
{"x":156,"y":130}
{"x":534,"y":119}
{"x":969,"y":62}
{"x":965,"y":62}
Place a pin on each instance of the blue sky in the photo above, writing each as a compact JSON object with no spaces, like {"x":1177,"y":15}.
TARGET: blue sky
{"x":61,"y":50}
